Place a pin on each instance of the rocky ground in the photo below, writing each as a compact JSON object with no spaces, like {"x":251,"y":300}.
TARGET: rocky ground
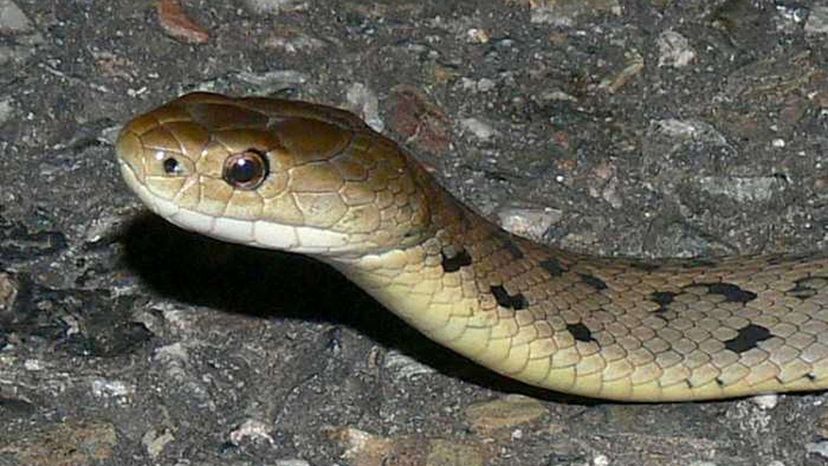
{"x":652,"y":128}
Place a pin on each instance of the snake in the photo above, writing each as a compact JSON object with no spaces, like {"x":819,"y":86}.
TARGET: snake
{"x":316,"y":180}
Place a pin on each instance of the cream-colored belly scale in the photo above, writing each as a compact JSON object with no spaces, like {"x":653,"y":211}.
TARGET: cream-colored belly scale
{"x":598,"y":327}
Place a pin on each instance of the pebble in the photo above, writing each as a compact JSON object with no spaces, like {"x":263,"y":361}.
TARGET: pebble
{"x":403,"y":367}
{"x":275,"y":6}
{"x":33,"y":365}
{"x":567,"y":12}
{"x":503,"y":413}
{"x":817,"y":20}
{"x":155,"y":442}
{"x":741,"y":189}
{"x":422,"y":123}
{"x":364,"y":102}
{"x":365,"y":449}
{"x":674,"y":50}
{"x":601,"y":460}
{"x":766,"y":401}
{"x":480,"y":129}
{"x":70,"y":442}
{"x":293,"y":41}
{"x":450,"y":453}
{"x":111,"y":388}
{"x":819,"y":448}
{"x":528,"y":221}
{"x":291,"y":462}
{"x":8,"y":292}
{"x":477,"y":36}
{"x":273,"y":81}
{"x":252,"y":429}
{"x":177,"y":24}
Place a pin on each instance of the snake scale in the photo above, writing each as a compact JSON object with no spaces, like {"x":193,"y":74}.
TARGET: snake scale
{"x":316,"y":180}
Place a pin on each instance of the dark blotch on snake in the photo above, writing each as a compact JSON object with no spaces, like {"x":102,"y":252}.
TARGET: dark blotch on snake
{"x":553,"y":266}
{"x":663,"y":299}
{"x":747,"y":338}
{"x":503,"y":298}
{"x":453,"y":260}
{"x":698,"y":262}
{"x":645,"y":266}
{"x":513,"y":248}
{"x":731,"y":292}
{"x":593,"y":281}
{"x":580,"y":332}
{"x":803,"y":288}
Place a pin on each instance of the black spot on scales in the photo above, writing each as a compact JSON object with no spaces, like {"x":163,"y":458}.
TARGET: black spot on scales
{"x":663,"y":299}
{"x":553,"y":267}
{"x":593,"y":281}
{"x":698,"y":262}
{"x":803,"y":288}
{"x":453,"y":260}
{"x":731,"y":292}
{"x":513,"y":248}
{"x":645,"y":266}
{"x":503,"y":298}
{"x":580,"y":332}
{"x":747,"y":338}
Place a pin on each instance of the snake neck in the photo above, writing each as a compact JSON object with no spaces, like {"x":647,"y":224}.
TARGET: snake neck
{"x":446,"y":286}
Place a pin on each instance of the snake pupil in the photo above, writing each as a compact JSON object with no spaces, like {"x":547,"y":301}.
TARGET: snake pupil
{"x":245,"y":170}
{"x":170,"y":166}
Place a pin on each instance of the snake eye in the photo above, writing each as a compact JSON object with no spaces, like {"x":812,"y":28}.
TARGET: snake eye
{"x":245,"y":170}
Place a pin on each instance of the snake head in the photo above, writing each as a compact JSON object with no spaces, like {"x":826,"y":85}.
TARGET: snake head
{"x":276,"y":174}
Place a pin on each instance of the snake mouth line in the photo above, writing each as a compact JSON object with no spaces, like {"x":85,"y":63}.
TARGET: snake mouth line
{"x":255,"y":233}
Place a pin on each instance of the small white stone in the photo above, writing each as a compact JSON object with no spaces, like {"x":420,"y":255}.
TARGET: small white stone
{"x":154,"y":443}
{"x":817,"y":20}
{"x":600,"y":460}
{"x":12,"y":19}
{"x":485,"y":85}
{"x":766,"y":401}
{"x":477,"y":36}
{"x":110,"y":388}
{"x":291,"y":463}
{"x":820,"y":448}
{"x":251,"y":428}
{"x":366,"y":104}
{"x":531,"y":222}
{"x":477,"y":127}
{"x":404,"y":367}
{"x":33,"y":365}
{"x":674,"y":50}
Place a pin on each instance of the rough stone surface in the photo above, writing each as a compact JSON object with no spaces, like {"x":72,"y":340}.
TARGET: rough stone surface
{"x":125,"y":341}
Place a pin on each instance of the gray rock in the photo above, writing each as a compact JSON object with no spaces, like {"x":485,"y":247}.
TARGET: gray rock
{"x":817,"y":20}
{"x":12,"y":19}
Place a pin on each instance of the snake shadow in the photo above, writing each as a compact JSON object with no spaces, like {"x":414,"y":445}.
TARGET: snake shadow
{"x":201,"y":271}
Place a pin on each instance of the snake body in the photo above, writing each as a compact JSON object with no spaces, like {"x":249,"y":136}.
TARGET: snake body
{"x":316,"y":180}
